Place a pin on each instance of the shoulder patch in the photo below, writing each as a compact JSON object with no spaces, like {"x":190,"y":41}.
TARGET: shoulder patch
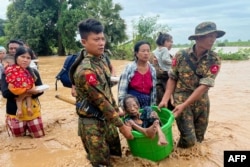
{"x":214,"y":68}
{"x":91,"y":79}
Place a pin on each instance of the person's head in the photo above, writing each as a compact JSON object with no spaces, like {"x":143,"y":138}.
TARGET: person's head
{"x":142,"y":51}
{"x":2,"y":52}
{"x":165,"y":40}
{"x":8,"y":60}
{"x":92,"y":36}
{"x":131,"y":105}
{"x":23,"y":56}
{"x":206,"y":34}
{"x":13,"y":45}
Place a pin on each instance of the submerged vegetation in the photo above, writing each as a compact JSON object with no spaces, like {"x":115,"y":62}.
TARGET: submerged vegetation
{"x":242,"y":54}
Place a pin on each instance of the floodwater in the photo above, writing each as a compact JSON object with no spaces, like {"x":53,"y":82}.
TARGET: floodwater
{"x":227,"y":130}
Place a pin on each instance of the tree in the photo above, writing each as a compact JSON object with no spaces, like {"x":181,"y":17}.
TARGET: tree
{"x":147,"y":28}
{"x":52,"y":24}
{"x":34,"y":22}
{"x":2,"y":22}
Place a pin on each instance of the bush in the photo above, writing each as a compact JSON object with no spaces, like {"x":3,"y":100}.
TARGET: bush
{"x":243,"y":54}
{"x":123,"y":52}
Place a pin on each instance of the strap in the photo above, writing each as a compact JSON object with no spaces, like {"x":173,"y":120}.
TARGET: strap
{"x":190,"y":63}
{"x":58,"y":76}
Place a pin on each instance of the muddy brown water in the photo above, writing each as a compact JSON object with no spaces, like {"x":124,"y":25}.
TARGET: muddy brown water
{"x":228,"y":126}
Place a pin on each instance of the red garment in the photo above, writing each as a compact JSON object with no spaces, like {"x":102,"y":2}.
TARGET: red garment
{"x":142,"y":82}
{"x":19,"y":77}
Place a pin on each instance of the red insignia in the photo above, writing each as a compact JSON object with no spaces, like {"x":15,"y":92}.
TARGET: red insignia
{"x":214,"y":68}
{"x":174,"y":62}
{"x":91,"y":79}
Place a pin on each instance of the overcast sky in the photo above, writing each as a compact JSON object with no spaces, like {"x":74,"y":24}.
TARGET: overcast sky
{"x":232,"y":16}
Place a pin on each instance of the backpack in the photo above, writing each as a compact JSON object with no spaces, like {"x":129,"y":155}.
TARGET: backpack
{"x":63,"y":75}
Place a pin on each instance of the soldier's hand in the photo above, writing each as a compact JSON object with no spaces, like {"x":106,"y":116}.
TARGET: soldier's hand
{"x":178,"y":110}
{"x":162,"y":104}
{"x":73,"y":91}
{"x":121,"y":112}
{"x":126,"y":131}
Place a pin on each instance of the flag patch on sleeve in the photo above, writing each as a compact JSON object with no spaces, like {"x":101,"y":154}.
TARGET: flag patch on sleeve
{"x":214,"y":69}
{"x":91,"y":79}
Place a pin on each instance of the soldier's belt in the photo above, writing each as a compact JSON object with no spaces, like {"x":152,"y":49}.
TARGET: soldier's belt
{"x":89,"y":121}
{"x":89,"y":109}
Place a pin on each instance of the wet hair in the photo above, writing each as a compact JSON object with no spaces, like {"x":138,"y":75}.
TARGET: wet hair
{"x":15,"y":41}
{"x":138,"y":45}
{"x":90,"y":25}
{"x":162,"y":37}
{"x":129,"y":96}
{"x":22,"y":50}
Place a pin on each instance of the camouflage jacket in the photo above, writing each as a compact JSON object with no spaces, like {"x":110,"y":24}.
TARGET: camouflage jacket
{"x":92,"y":81}
{"x":208,"y":66}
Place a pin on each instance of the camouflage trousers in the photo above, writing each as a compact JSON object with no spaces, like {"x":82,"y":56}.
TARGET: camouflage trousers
{"x":100,"y":140}
{"x":193,"y":121}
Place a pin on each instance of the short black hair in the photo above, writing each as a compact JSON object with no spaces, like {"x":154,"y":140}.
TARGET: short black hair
{"x":89,"y":25}
{"x":162,"y":38}
{"x":15,"y":41}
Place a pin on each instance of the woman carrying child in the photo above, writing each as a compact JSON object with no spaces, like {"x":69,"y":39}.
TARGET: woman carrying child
{"x":33,"y":123}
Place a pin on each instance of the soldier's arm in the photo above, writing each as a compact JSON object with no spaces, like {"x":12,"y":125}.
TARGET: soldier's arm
{"x":97,"y":98}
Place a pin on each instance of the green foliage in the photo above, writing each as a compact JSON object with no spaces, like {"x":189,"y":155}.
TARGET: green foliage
{"x":147,"y":28}
{"x":33,"y":21}
{"x":108,"y":14}
{"x":2,"y":22}
{"x":50,"y":24}
{"x":242,"y":54}
{"x":123,"y":52}
{"x":3,"y":41}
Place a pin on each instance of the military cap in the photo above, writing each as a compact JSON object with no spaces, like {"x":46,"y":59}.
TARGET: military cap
{"x":205,"y":28}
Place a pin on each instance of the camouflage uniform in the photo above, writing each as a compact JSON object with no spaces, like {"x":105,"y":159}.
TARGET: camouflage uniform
{"x":192,"y":122}
{"x":100,"y":138}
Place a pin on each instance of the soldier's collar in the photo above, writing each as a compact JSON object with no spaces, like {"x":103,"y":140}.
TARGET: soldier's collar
{"x":93,"y":57}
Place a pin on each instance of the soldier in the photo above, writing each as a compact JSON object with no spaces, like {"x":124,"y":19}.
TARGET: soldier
{"x":98,"y":111}
{"x":192,"y":73}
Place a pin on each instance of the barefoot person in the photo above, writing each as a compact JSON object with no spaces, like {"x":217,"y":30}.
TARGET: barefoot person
{"x":147,"y":122}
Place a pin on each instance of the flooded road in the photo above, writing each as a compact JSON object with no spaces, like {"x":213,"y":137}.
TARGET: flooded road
{"x":228,"y":126}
